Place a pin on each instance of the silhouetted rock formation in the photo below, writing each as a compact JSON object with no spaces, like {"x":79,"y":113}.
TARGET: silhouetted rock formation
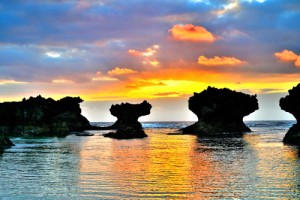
{"x":84,"y":134}
{"x":291,"y":104}
{"x":127,"y":124}
{"x":39,"y":116}
{"x":128,"y":114}
{"x":220,"y":111}
{"x":128,"y":133}
{"x":5,"y":142}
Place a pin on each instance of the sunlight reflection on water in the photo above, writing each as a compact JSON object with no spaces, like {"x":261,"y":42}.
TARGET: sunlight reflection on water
{"x":160,"y":166}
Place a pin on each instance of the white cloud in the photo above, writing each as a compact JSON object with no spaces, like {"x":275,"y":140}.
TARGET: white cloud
{"x":53,"y":54}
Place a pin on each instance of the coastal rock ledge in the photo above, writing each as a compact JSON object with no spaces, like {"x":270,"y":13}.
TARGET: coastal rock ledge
{"x":38,"y":116}
{"x":5,"y":142}
{"x":220,"y":112}
{"x":291,"y":104}
{"x":127,"y":124}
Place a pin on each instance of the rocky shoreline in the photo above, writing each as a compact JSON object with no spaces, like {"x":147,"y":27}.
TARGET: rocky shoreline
{"x":220,"y":112}
{"x":38,"y":116}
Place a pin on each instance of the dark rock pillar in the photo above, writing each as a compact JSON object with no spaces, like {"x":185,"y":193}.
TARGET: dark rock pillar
{"x":291,"y":104}
{"x":127,"y":124}
{"x":220,"y":111}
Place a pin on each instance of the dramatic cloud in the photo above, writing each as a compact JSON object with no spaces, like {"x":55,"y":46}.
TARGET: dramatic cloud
{"x":288,"y":56}
{"x":190,"y":32}
{"x":121,"y":71}
{"x":219,"y":61}
{"x":55,"y":47}
{"x":148,"y":55}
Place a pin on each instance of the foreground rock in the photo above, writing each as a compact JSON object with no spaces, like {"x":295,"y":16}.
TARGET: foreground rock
{"x":127,"y":124}
{"x":291,"y":104}
{"x":5,"y":142}
{"x":220,"y":111}
{"x":42,"y":117}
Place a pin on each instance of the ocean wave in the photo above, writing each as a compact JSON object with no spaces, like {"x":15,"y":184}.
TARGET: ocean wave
{"x":270,"y":124}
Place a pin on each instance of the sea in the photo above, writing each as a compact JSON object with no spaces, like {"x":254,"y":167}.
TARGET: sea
{"x":164,"y":165}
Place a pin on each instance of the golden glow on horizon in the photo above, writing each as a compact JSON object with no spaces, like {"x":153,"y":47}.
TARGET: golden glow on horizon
{"x":162,"y":83}
{"x":219,"y":61}
{"x":160,"y":88}
{"x":190,"y":32}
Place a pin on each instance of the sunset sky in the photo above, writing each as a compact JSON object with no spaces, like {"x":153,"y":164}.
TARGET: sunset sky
{"x":110,"y":51}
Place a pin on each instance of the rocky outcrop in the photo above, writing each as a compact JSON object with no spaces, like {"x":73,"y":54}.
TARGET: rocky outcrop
{"x":127,"y":124}
{"x":5,"y":142}
{"x":42,"y":117}
{"x":128,"y":133}
{"x":220,"y":111}
{"x":291,"y":104}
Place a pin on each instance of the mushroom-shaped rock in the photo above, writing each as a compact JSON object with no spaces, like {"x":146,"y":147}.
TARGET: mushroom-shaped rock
{"x":5,"y":142}
{"x":220,"y":111}
{"x":291,"y":104}
{"x":127,"y":124}
{"x":128,"y":114}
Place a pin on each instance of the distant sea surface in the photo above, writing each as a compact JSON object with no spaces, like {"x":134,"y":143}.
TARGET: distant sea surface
{"x":255,"y":166}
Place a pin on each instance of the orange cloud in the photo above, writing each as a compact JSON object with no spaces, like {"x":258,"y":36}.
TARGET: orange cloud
{"x":148,"y":55}
{"x":121,"y":71}
{"x":61,"y":81}
{"x":190,"y":32}
{"x":168,"y":94}
{"x":103,"y":77}
{"x":297,"y":62}
{"x":286,"y":56}
{"x":135,"y":52}
{"x":220,"y":61}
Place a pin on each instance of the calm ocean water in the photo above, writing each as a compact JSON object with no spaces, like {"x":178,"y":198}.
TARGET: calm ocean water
{"x":256,"y":166}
